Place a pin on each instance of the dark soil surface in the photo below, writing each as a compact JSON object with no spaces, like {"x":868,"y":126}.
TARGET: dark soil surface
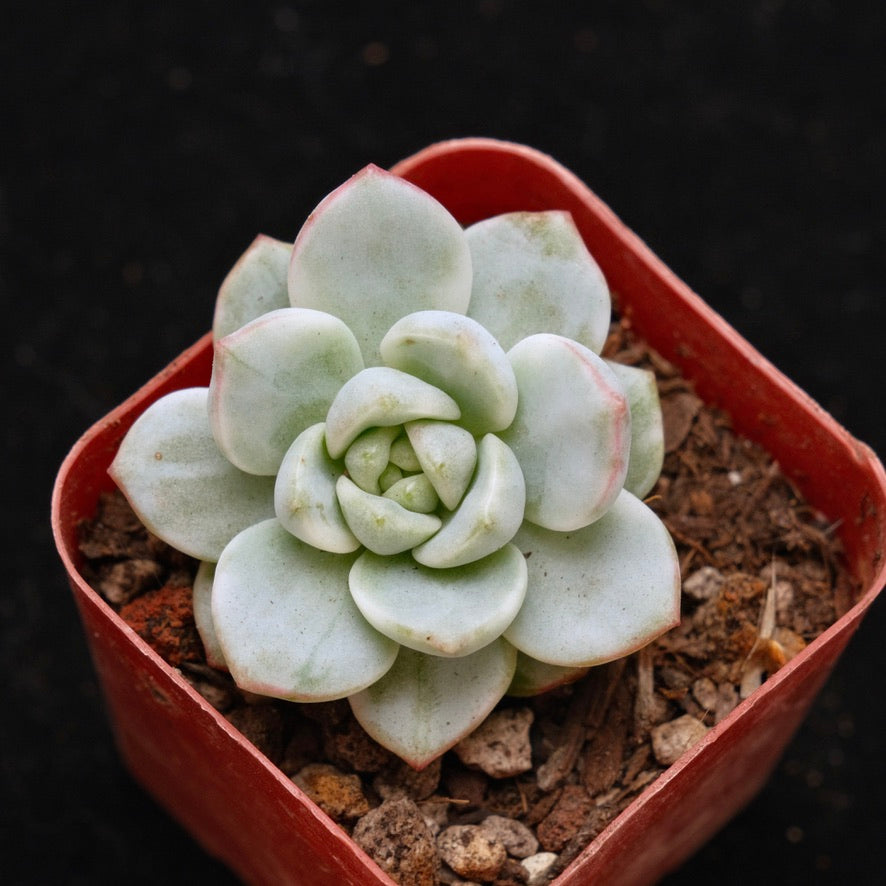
{"x":762,"y":577}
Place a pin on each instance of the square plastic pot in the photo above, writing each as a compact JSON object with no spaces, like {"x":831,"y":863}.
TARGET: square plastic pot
{"x":254,"y":818}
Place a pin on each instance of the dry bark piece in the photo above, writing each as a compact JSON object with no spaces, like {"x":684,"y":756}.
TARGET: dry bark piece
{"x":636,"y":763}
{"x":542,"y":807}
{"x":597,"y":819}
{"x":590,"y":701}
{"x":649,"y":707}
{"x":565,"y":819}
{"x":604,"y":751}
{"x":678,"y":413}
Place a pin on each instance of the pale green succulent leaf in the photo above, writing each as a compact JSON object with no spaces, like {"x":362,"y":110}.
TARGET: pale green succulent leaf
{"x":373,"y":245}
{"x":600,"y":592}
{"x":403,"y":455}
{"x":368,"y":456}
{"x":425,"y":703}
{"x":447,"y":454}
{"x":305,"y":500}
{"x":286,"y":620}
{"x":202,"y":600}
{"x":380,"y":524}
{"x":448,"y":612}
{"x":533,"y":273}
{"x":179,"y":484}
{"x":389,"y":476}
{"x":457,"y":355}
{"x":647,"y":427}
{"x":254,"y":286}
{"x":275,"y":377}
{"x":488,"y":515}
{"x":532,"y":677}
{"x":381,"y":396}
{"x":415,"y":493}
{"x":571,"y":434}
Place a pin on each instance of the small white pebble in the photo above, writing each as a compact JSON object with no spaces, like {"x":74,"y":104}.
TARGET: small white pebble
{"x":735,"y":478}
{"x":538,"y":867}
{"x":672,"y":739}
{"x":704,"y":583}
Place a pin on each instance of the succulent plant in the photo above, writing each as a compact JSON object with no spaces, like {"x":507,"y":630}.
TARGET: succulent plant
{"x":412,"y":481}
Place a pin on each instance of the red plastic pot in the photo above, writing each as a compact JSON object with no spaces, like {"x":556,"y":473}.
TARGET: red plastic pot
{"x":254,"y":818}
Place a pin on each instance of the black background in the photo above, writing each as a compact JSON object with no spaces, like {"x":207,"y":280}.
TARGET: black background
{"x":142,"y":146}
